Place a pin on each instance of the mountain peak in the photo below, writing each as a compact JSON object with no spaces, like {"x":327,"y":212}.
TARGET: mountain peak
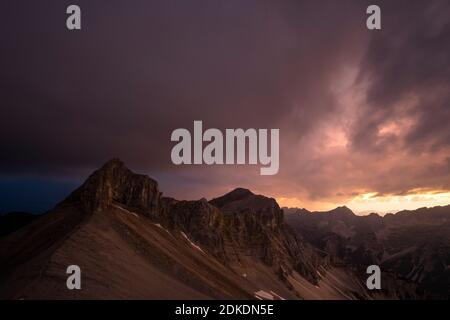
{"x":234,"y":195}
{"x":113,"y":163}
{"x":114,"y":182}
{"x":240,"y":192}
{"x":342,"y":211}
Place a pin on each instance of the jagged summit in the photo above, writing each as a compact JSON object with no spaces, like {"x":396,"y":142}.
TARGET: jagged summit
{"x":240,"y":192}
{"x":240,"y":219}
{"x":342,"y":211}
{"x":338,"y":212}
{"x":245,"y":202}
{"x":234,"y":195}
{"x":244,"y":199}
{"x":114,"y":182}
{"x":114,"y":162}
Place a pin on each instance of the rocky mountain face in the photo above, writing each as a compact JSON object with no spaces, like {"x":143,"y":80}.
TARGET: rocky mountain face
{"x":255,"y":224}
{"x":131,"y":242}
{"x":116,"y":183}
{"x":412,"y":248}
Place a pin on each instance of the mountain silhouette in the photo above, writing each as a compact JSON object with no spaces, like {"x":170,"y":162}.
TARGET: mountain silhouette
{"x":131,"y":242}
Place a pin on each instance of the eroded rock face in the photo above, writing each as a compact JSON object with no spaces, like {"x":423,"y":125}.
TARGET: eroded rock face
{"x":116,"y":183}
{"x":238,"y":223}
{"x":262,"y":209}
{"x":201,"y":221}
{"x":256,"y":224}
{"x":411,"y":247}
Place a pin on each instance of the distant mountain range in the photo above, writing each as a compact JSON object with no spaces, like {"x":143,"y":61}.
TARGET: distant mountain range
{"x":132,"y":243}
{"x":411,"y":247}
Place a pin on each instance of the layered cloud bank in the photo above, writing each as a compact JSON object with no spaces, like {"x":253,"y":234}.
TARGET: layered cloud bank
{"x":363,"y":115}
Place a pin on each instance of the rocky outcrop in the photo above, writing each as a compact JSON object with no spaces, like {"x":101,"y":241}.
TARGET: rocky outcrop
{"x":232,"y":228}
{"x":255,"y":223}
{"x":239,"y":222}
{"x":116,"y":183}
{"x":260,"y":208}
{"x":201,"y":221}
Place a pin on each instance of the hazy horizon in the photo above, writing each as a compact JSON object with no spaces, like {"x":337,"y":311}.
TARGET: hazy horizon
{"x":56,"y":191}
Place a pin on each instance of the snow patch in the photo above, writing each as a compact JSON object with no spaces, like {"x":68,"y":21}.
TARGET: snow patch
{"x":161,"y":227}
{"x":264,"y":295}
{"x":125,"y":210}
{"x":277,"y":296}
{"x":192,"y":244}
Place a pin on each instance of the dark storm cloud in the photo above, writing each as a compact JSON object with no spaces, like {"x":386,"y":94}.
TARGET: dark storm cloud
{"x":138,"y":70}
{"x":408,"y":71}
{"x":134,"y":73}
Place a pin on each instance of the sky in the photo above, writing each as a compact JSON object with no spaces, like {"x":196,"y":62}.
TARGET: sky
{"x":363,"y":114}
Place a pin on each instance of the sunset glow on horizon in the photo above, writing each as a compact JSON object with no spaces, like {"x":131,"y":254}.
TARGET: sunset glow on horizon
{"x":365,"y":203}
